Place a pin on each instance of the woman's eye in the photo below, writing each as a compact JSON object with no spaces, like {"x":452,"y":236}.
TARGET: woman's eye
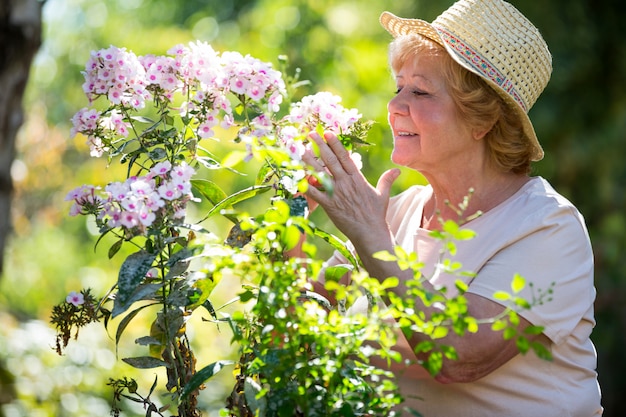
{"x":415,"y":92}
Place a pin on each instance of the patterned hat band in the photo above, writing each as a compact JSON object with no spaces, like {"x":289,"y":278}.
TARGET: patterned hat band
{"x":480,"y":64}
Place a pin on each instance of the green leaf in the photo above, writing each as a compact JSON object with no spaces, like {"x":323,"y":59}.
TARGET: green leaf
{"x":336,"y":272}
{"x":541,"y":351}
{"x":522,"y":344}
{"x":145,"y":362}
{"x":522,"y":302}
{"x":534,"y":330}
{"x":264,"y":175}
{"x":501,"y":295}
{"x":202,"y":375}
{"x":143,"y":119}
{"x":385,"y":256}
{"x":206,"y":283}
{"x":256,"y":402}
{"x":125,"y":321}
{"x":338,"y":244}
{"x":390,"y":282}
{"x":498,"y":325}
{"x":157,"y":154}
{"x":142,"y":292}
{"x":291,"y":237}
{"x":465,"y":234}
{"x":237,"y":197}
{"x":509,"y":333}
{"x":518,"y":283}
{"x":209,"y":190}
{"x":439,"y":332}
{"x":209,"y":307}
{"x":208,"y":162}
{"x":132,"y":273}
{"x":115,"y":248}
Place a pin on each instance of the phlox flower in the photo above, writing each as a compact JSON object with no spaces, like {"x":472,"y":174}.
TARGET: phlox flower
{"x":261,"y":126}
{"x":97,"y":148}
{"x":113,"y":214}
{"x":182,"y":172}
{"x":290,"y":182}
{"x":161,"y":169}
{"x":249,"y":153}
{"x":84,"y":121}
{"x":227,"y":121}
{"x":75,"y":298}
{"x":169,"y":191}
{"x":142,"y":186}
{"x":85,"y":200}
{"x":183,"y":186}
{"x":152,"y":273}
{"x":131,"y":203}
{"x":146,"y":216}
{"x":129,"y":219}
{"x":117,"y":190}
{"x":115,"y":122}
{"x":273,"y":103}
{"x":295,"y":149}
{"x":255,"y":92}
{"x":239,"y":85}
{"x":205,"y":128}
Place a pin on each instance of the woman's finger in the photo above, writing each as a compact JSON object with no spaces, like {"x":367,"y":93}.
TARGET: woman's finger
{"x":328,"y":157}
{"x":342,"y":154}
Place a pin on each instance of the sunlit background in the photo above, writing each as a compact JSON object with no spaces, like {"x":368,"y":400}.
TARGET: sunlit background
{"x":340,"y":47}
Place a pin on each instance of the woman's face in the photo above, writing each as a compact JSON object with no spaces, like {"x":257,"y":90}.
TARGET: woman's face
{"x":428,"y":133}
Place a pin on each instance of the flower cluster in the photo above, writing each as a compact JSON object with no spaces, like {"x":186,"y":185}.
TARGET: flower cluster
{"x":200,"y":74}
{"x":138,"y":202}
{"x":322,"y":109}
{"x":119,"y":75}
{"x":193,"y":89}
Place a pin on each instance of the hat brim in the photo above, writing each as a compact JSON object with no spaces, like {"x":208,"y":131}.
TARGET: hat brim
{"x":398,"y":26}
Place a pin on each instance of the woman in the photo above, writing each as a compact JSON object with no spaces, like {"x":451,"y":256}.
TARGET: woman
{"x":459,"y":117}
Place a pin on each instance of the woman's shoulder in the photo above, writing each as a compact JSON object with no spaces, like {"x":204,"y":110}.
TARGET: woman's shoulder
{"x":536,"y":205}
{"x":539,"y":195}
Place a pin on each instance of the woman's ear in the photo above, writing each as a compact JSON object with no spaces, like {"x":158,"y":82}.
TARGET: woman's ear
{"x":479,"y":132}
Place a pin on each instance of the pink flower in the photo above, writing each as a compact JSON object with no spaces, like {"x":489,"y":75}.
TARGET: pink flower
{"x":129,"y":219}
{"x":169,"y":191}
{"x":161,"y":169}
{"x":75,"y":298}
{"x":182,"y":172}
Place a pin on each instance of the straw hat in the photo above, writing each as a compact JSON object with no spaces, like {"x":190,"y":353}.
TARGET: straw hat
{"x":492,"y":39}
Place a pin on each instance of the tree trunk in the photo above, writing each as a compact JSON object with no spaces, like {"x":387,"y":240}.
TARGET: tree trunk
{"x":20,"y":38}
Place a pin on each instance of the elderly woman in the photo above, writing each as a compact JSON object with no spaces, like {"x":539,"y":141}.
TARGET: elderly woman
{"x":464,"y":86}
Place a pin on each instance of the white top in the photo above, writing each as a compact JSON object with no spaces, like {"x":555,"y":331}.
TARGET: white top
{"x":540,"y":235}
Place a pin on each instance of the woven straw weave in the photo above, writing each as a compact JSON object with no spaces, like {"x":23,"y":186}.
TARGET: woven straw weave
{"x":494,"y":40}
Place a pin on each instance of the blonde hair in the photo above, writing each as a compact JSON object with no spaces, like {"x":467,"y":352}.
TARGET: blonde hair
{"x":477,"y":103}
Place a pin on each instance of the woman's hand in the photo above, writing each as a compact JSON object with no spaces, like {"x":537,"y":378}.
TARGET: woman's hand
{"x":354,"y":206}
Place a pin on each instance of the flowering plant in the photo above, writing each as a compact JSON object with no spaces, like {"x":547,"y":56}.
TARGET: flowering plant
{"x":157,"y":115}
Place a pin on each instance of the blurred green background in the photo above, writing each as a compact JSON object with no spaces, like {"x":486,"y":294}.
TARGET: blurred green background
{"x":339,"y":45}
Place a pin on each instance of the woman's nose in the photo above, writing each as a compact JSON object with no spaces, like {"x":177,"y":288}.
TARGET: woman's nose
{"x":398,"y":105}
